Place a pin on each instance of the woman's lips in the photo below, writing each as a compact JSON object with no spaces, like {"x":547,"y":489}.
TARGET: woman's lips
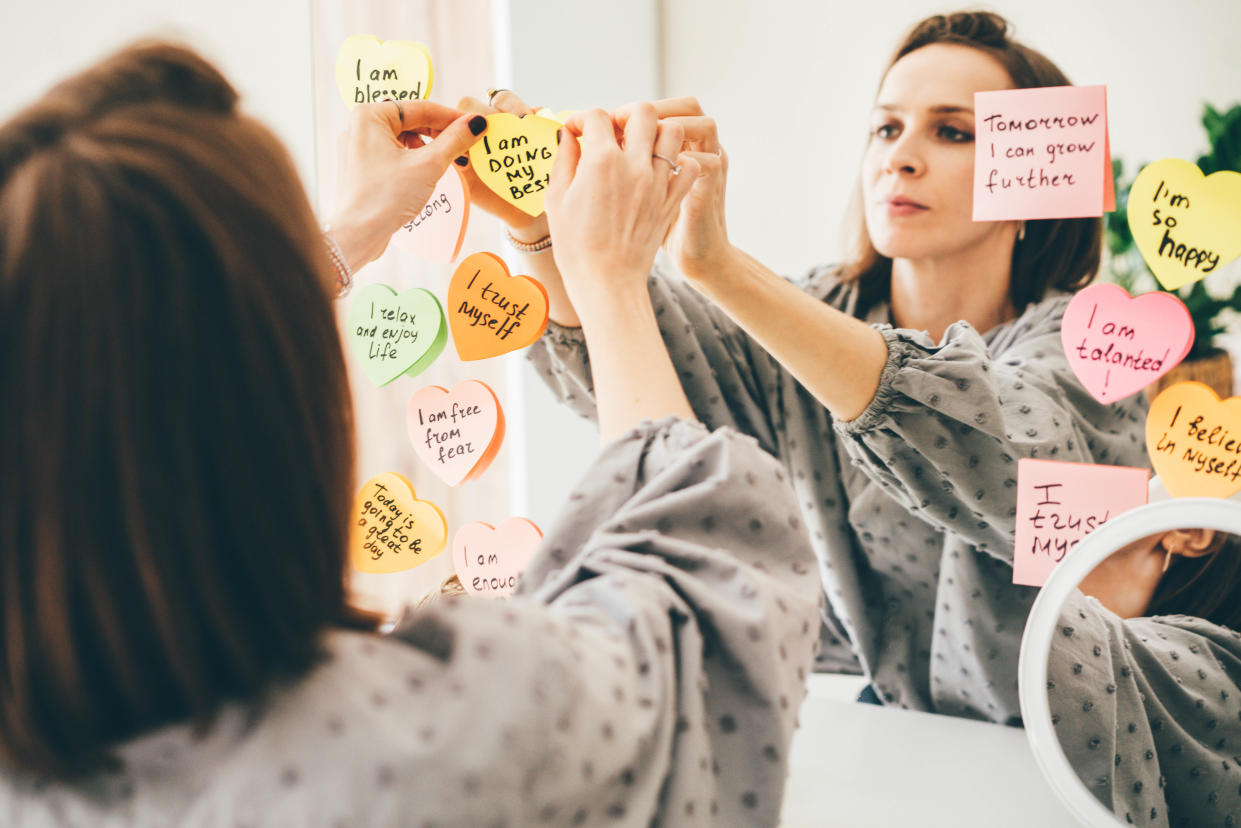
{"x":900,"y":206}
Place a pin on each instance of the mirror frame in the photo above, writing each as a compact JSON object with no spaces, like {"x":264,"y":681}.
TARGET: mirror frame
{"x":1196,"y":512}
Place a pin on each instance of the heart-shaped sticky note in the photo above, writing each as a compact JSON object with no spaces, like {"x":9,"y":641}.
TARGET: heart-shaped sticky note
{"x":489,"y":560}
{"x":436,"y":233}
{"x":396,"y":334}
{"x":392,"y":530}
{"x":514,"y":158}
{"x":1185,"y":224}
{"x":492,"y":313}
{"x":457,"y":433}
{"x":1118,"y":345}
{"x":370,"y":70}
{"x":1194,"y":441}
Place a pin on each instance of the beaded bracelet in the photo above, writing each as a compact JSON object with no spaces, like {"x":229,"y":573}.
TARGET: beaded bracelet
{"x":343,"y":275}
{"x":529,"y":247}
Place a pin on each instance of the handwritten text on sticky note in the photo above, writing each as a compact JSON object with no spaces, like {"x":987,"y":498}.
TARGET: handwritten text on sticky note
{"x":1058,"y":504}
{"x":514,"y":158}
{"x":369,"y":70}
{"x":1185,"y":224}
{"x":488,"y":561}
{"x":394,"y":334}
{"x":1118,"y":345}
{"x":1042,"y":153}
{"x":492,"y":313}
{"x":457,"y":433}
{"x":392,"y":530}
{"x":1194,"y":441}
{"x":436,"y":233}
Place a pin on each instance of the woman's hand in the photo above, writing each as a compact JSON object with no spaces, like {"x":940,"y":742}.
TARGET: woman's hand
{"x":609,"y":206}
{"x":388,"y":173}
{"x":522,"y":225}
{"x":698,"y":240}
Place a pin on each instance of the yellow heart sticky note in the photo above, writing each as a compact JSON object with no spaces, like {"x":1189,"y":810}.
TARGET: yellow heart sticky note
{"x":1185,"y":224}
{"x":392,"y":530}
{"x":1194,"y":441}
{"x":369,"y":70}
{"x":514,"y":158}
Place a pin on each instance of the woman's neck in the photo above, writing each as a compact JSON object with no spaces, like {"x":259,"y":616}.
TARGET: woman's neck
{"x":931,"y":294}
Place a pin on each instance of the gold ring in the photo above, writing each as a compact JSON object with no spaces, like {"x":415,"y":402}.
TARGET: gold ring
{"x":676,"y":168}
{"x":491,"y":94}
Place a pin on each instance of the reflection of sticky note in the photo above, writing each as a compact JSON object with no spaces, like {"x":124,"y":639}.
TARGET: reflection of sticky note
{"x":1058,"y":504}
{"x":514,"y":158}
{"x":391,"y":529}
{"x":1042,"y":153}
{"x":492,"y":313}
{"x":1194,"y":441}
{"x":396,"y":334}
{"x":457,"y":433}
{"x":1185,"y":224}
{"x":488,"y":561}
{"x":1118,"y":345}
{"x":369,"y":70}
{"x":436,"y":233}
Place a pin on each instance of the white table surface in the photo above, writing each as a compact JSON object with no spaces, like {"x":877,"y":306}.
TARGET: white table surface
{"x":857,"y":765}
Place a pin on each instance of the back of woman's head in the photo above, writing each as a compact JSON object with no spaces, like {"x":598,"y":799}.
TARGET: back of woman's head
{"x":1058,"y":254}
{"x":177,"y":434}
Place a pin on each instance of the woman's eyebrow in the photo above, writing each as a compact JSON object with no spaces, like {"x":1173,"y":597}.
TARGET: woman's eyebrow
{"x":938,"y":109}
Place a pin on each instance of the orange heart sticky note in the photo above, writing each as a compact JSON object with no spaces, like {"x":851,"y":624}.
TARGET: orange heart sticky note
{"x":489,"y":560}
{"x":370,"y":70}
{"x":392,"y":529}
{"x":436,"y":233}
{"x":457,"y":433}
{"x":514,"y":158}
{"x":1185,"y":224}
{"x":491,"y":313}
{"x":1194,"y":441}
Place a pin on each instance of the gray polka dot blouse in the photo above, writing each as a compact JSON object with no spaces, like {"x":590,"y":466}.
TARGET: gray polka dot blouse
{"x":911,"y":506}
{"x":648,"y":672}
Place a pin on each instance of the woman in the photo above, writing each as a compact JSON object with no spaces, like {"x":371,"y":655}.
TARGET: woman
{"x":176,"y":479}
{"x":899,"y":391}
{"x":1144,"y":681}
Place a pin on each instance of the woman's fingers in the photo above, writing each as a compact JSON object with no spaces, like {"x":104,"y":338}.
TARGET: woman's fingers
{"x":669,"y":139}
{"x":506,"y":100}
{"x":639,"y":131}
{"x":564,"y":169}
{"x":672,"y":107}
{"x":681,"y":184}
{"x":597,"y":130}
{"x":701,"y":133}
{"x":456,"y":139}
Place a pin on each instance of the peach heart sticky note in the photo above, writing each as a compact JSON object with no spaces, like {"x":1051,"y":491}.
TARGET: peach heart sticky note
{"x":392,"y":530}
{"x":436,"y":233}
{"x":369,"y":70}
{"x":396,"y":334}
{"x":492,"y":313}
{"x":1185,"y":224}
{"x":457,"y":433}
{"x":514,"y":158}
{"x":489,"y":560}
{"x":1058,"y":504}
{"x":1194,"y":441}
{"x":1118,"y":345}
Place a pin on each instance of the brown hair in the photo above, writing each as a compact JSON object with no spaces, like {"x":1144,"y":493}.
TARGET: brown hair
{"x":1208,"y":586}
{"x":1060,"y":254}
{"x":178,"y":432}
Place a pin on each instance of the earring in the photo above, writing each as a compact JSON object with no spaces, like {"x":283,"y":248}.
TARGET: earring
{"x":1167,"y":560}
{"x":1021,"y":232}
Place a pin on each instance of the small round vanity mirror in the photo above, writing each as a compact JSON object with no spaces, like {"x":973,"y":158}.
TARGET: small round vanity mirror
{"x":1130,"y":670}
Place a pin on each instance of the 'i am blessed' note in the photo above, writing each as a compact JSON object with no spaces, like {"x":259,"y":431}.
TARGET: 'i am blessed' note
{"x":369,"y":70}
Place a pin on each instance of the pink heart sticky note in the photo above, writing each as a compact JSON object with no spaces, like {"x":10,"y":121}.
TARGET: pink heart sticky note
{"x":457,"y":433}
{"x":1117,"y":344}
{"x":1042,"y":153}
{"x":488,"y":560}
{"x":436,"y":233}
{"x":1058,"y":504}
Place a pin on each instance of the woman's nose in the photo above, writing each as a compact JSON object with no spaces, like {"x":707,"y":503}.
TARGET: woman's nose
{"x":905,"y":156}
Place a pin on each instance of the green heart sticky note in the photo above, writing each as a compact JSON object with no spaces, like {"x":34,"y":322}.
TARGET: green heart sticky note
{"x":395,"y":334}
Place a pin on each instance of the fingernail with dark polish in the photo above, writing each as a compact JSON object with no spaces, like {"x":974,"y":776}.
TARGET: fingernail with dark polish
{"x":461,"y":160}
{"x":559,"y":132}
{"x":477,"y":124}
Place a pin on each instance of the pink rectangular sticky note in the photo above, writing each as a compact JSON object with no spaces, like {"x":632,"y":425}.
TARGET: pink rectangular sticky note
{"x":1041,"y":153}
{"x":1058,"y":504}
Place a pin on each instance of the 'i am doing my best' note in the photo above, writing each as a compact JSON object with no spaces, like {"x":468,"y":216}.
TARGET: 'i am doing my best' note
{"x":1042,"y":153}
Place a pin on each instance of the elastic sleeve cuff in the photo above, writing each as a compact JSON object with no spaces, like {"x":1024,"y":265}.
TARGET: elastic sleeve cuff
{"x":899,"y":352}
{"x":564,"y":335}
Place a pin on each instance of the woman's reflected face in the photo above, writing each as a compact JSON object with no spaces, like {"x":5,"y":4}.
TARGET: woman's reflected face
{"x":918,"y":170}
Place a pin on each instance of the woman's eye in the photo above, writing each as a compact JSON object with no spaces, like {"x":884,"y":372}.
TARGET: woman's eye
{"x":885,"y":131}
{"x":957,"y":136}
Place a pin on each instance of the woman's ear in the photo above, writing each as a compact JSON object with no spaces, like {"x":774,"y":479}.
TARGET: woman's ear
{"x":1192,"y":543}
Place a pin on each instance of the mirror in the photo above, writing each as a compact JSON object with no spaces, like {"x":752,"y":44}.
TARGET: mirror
{"x":1130,"y":675}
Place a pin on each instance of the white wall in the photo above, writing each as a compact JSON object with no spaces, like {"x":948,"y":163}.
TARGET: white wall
{"x":789,"y":76}
{"x":263,"y":48}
